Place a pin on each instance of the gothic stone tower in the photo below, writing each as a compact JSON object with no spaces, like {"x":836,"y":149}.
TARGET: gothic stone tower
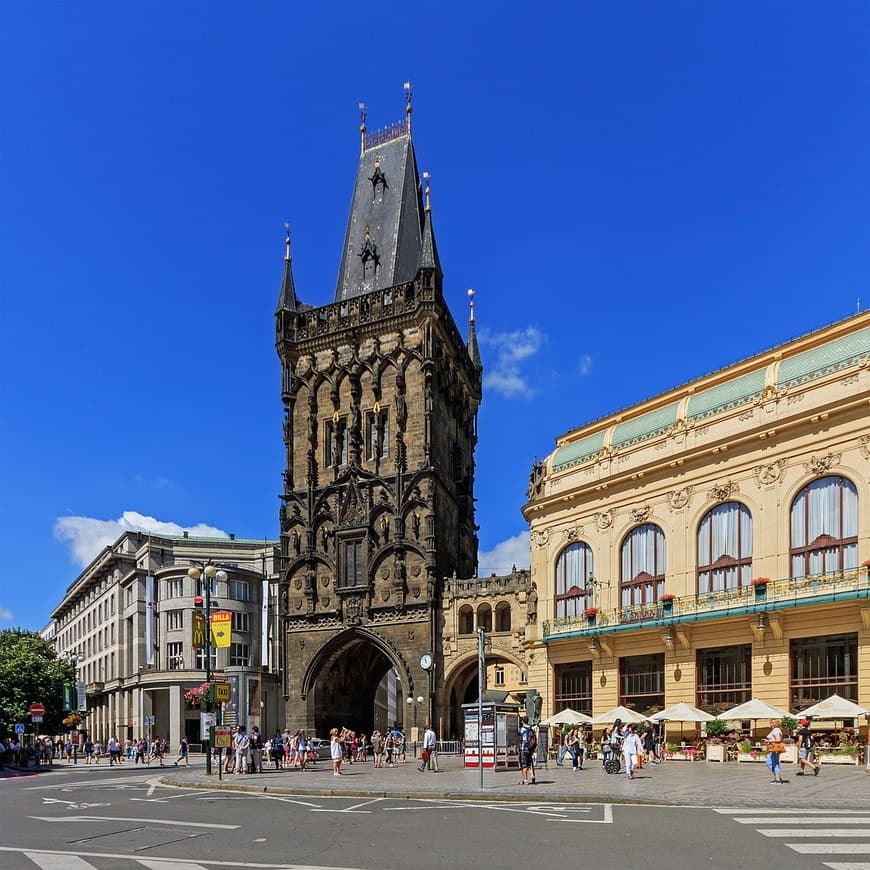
{"x":380,"y":396}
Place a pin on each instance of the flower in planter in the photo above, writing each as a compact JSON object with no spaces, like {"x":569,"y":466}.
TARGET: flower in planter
{"x":72,"y":721}
{"x":761,"y":581}
{"x":590,"y":612}
{"x":668,"y":596}
{"x":866,"y":563}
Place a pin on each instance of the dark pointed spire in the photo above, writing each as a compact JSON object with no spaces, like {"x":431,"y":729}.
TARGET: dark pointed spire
{"x":473,"y":349}
{"x":287,"y":298}
{"x":428,"y":250}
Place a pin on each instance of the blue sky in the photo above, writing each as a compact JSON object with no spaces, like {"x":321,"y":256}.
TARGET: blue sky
{"x":639,"y":193}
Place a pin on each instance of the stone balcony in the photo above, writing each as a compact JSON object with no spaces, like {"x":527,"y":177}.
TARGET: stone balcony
{"x":777,"y":595}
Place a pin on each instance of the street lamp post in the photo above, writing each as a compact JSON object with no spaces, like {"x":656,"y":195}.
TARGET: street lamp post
{"x":210,"y":572}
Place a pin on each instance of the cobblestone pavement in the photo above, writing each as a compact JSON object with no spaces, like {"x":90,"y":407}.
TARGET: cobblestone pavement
{"x":674,"y":783}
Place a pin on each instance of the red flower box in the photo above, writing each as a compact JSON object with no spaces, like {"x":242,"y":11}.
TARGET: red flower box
{"x":590,"y":612}
{"x":761,"y":581}
{"x":668,"y":596}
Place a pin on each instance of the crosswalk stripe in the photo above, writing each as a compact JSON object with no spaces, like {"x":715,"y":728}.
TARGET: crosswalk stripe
{"x":760,"y":811}
{"x":847,"y":865}
{"x":47,"y":861}
{"x":814,"y":832}
{"x":830,"y":848}
{"x":803,"y":820}
{"x":169,"y":865}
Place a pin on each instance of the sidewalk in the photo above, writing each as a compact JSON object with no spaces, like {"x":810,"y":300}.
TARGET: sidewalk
{"x":674,"y":783}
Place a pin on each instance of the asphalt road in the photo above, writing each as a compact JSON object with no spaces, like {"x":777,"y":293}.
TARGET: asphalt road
{"x":124,"y":819}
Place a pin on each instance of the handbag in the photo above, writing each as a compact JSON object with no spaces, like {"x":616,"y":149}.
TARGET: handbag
{"x":777,"y":746}
{"x":425,"y":754}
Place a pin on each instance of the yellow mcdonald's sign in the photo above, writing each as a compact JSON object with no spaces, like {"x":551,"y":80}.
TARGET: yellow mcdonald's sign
{"x":197,"y":630}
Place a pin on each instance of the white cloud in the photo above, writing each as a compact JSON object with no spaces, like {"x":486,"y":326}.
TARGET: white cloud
{"x":585,"y":365}
{"x":5,"y":615}
{"x":512,"y":348}
{"x":87,"y":536}
{"x":504,"y":555}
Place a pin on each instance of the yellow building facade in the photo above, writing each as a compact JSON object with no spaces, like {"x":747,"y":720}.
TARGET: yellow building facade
{"x":709,"y":544}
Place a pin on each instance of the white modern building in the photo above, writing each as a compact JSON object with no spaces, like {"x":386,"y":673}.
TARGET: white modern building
{"x":127,"y":623}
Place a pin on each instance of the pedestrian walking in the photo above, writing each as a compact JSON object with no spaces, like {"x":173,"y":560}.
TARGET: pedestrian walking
{"x":430,"y":757}
{"x":378,"y":748}
{"x":527,"y":742}
{"x":632,"y":750}
{"x":336,"y":749}
{"x":806,"y":752}
{"x":775,"y":747}
{"x":183,"y":752}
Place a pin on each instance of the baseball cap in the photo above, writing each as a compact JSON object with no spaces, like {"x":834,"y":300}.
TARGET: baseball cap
{"x":805,"y":722}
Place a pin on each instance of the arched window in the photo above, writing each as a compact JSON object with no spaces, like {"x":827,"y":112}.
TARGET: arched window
{"x":642,"y":577}
{"x":484,"y":617}
{"x":574,"y":568}
{"x":824,"y":527}
{"x":466,"y":620}
{"x":502,"y":616}
{"x":725,"y":548}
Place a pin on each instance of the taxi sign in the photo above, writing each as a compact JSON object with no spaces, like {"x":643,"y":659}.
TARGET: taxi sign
{"x":222,"y":691}
{"x":221,"y":628}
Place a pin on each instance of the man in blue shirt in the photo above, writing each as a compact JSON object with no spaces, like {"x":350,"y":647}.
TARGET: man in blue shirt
{"x":526,"y":744}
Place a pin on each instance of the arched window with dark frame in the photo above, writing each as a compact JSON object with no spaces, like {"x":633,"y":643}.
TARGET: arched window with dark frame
{"x":574,"y":568}
{"x":484,"y":617}
{"x":503,"y":616}
{"x":466,"y":619}
{"x":725,"y":548}
{"x":642,"y":577}
{"x":824,"y":527}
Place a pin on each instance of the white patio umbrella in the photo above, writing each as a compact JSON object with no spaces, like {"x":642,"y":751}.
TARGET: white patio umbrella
{"x":567,"y":717}
{"x":835,"y":707}
{"x":682,"y":713}
{"x":754,"y":709}
{"x":622,"y":713}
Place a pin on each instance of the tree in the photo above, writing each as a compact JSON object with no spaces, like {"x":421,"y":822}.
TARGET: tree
{"x":30,"y":671}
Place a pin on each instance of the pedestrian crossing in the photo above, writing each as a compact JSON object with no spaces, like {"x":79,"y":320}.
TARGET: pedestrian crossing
{"x":828,"y":834}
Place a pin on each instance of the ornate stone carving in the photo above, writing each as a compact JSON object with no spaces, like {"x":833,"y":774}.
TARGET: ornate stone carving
{"x":572,"y":535}
{"x":540,"y":538}
{"x":768,"y":474}
{"x":747,"y":415}
{"x":723,"y":491}
{"x":604,"y":520}
{"x":852,"y":379}
{"x":864,"y":443}
{"x":679,"y":498}
{"x":820,"y":465}
{"x":641,"y":514}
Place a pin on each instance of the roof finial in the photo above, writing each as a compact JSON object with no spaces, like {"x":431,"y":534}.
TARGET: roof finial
{"x":471,"y":305}
{"x":426,"y":178}
{"x":286,"y":242}
{"x":408,"y":108}
{"x":362,"y":127}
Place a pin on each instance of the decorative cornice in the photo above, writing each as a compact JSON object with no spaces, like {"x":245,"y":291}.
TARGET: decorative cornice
{"x":723,"y":491}
{"x":819,"y":465}
{"x":770,"y":473}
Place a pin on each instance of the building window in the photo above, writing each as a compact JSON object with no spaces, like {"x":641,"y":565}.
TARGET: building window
{"x":724,"y":677}
{"x":240,"y":590}
{"x":499,"y":675}
{"x":239,"y":655}
{"x":377,"y":435}
{"x":573,"y":568}
{"x":241,"y":622}
{"x":175,"y":656}
{"x":175,"y":588}
{"x":175,"y":620}
{"x":335,"y":442}
{"x":484,"y":617}
{"x":642,"y":682}
{"x":573,"y":688}
{"x":725,"y":548}
{"x":503,"y":616}
{"x":524,"y":679}
{"x":352,"y":568}
{"x":824,"y":527}
{"x":200,"y":587}
{"x":200,"y":659}
{"x":821,"y":666}
{"x":642,"y":578}
{"x":130,"y":592}
{"x":466,"y":619}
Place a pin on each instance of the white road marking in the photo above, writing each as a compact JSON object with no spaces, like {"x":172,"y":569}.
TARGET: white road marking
{"x":847,"y":865}
{"x":142,"y":821}
{"x":151,"y":789}
{"x":830,"y":848}
{"x":169,"y":865}
{"x":815,"y":832}
{"x":552,"y":812}
{"x":802,"y":820}
{"x":207,"y":861}
{"x":49,"y":861}
{"x":759,"y":811}
{"x":87,"y":783}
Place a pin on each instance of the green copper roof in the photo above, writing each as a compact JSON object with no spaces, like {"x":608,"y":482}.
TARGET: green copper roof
{"x":722,"y":397}
{"x":646,"y":426}
{"x":579,"y":451}
{"x":819,"y":361}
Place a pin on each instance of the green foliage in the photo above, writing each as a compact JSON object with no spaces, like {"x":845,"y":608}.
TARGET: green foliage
{"x":30,"y":671}
{"x":842,"y":750}
{"x":789,"y":724}
{"x":744,"y":746}
{"x":716,"y":727}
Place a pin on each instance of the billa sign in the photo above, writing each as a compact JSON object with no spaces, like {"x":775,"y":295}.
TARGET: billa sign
{"x":197,"y":630}
{"x":221,"y":628}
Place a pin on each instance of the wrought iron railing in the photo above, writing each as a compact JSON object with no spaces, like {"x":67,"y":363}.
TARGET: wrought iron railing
{"x":773,"y":595}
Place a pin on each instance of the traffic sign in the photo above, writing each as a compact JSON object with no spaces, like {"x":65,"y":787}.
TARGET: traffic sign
{"x":148,"y":720}
{"x":223,"y":737}
{"x":19,"y":728}
{"x":37,"y":709}
{"x":36,"y":719}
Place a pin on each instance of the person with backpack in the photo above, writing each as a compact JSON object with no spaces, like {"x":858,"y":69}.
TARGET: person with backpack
{"x":527,"y":743}
{"x":805,"y":749}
